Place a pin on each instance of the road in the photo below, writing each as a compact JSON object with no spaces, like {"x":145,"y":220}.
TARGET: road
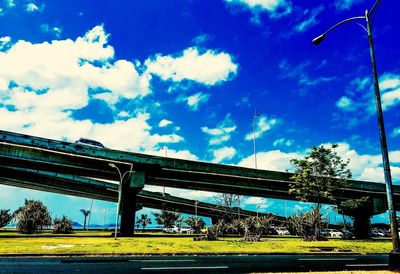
{"x":173,"y":264}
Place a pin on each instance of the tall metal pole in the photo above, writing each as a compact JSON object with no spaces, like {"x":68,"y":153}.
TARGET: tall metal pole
{"x":382,"y":135}
{"x":195,"y":211}
{"x":394,"y":256}
{"x":254,"y":137}
{"x":118,"y":204}
{"x":90,"y":214}
{"x":166,"y":155}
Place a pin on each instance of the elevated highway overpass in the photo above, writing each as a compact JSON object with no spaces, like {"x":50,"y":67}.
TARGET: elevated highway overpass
{"x":107,"y":191}
{"x":59,"y":157}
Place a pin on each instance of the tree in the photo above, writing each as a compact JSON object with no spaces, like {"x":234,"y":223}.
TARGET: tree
{"x":318,"y":177}
{"x":62,"y":225}
{"x":5,"y":217}
{"x":308,"y":224}
{"x":195,"y":223}
{"x":144,"y":221}
{"x":85,"y":213}
{"x":236,"y":225}
{"x":229,"y":205}
{"x":33,"y":217}
{"x":263,"y":223}
{"x":250,"y":232}
{"x":166,"y":218}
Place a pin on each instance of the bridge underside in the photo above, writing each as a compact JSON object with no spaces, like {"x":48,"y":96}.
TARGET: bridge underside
{"x":106,"y":191}
{"x":39,"y":157}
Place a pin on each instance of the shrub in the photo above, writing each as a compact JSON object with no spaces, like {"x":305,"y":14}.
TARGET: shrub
{"x":308,"y":225}
{"x":5,"y":217}
{"x":62,"y":225}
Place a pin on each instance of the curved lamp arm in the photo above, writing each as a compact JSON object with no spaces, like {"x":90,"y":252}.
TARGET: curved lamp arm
{"x":316,"y":41}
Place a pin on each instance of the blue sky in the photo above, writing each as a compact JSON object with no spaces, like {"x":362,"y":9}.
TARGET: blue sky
{"x":182,"y":78}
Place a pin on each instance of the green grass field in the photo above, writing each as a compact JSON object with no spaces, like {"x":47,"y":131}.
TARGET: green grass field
{"x":103,"y":243}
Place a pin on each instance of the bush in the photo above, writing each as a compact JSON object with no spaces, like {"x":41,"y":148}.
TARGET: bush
{"x":195,"y":223}
{"x":62,"y":225}
{"x":308,"y":225}
{"x":5,"y":217}
{"x":33,"y":217}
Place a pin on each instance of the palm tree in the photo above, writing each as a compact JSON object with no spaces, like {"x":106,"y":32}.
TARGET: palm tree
{"x":85,"y":213}
{"x":144,"y":221}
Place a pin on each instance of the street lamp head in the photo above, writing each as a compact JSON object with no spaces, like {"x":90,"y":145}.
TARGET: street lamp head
{"x":317,"y":40}
{"x":112,"y":165}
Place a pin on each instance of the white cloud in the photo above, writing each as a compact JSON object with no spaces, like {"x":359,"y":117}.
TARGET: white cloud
{"x":222,"y":132}
{"x":311,"y":20}
{"x":10,"y":3}
{"x":345,"y":4}
{"x":4,"y":42}
{"x":195,"y":100}
{"x":363,"y":166}
{"x":390,"y":88}
{"x":283,"y":142}
{"x":31,"y":7}
{"x":260,"y":202}
{"x":368,"y":167}
{"x":263,"y":125}
{"x":346,"y":104}
{"x":208,"y":68}
{"x":270,"y":160}
{"x":43,"y":84}
{"x":164,"y":123}
{"x":201,"y":39}
{"x":275,"y":8}
{"x":225,"y":153}
{"x":396,"y":132}
{"x":184,"y":193}
{"x":56,"y":31}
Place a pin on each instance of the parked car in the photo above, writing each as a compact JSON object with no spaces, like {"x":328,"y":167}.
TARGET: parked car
{"x":347,"y":234}
{"x":335,"y":233}
{"x":89,"y":142}
{"x":282,"y":231}
{"x":377,"y":233}
{"x":325,"y":233}
{"x":176,"y":229}
{"x":331,"y":233}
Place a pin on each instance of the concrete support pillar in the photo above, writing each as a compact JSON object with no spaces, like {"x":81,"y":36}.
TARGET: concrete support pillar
{"x":362,"y":225}
{"x":361,"y":213}
{"x":128,"y":209}
{"x":130,"y":189}
{"x":214,"y":220}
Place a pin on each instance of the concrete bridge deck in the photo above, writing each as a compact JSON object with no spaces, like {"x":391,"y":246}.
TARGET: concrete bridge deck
{"x":41,"y":155}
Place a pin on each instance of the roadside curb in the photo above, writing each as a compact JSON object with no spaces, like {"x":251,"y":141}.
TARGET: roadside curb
{"x":180,"y":254}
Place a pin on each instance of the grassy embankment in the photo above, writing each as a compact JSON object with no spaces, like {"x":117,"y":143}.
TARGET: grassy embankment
{"x":103,"y":243}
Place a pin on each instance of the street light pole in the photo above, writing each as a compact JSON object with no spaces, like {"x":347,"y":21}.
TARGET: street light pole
{"x":254,"y":137}
{"x":257,"y":209}
{"x":196,"y":202}
{"x":121,"y":177}
{"x":382,"y":134}
{"x":166,"y":155}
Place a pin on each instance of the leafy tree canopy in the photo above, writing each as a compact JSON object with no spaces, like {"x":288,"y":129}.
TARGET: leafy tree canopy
{"x":33,"y":217}
{"x":166,"y":218}
{"x":319,"y":175}
{"x":195,"y":223}
{"x":143,"y":221}
{"x":5,"y":217}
